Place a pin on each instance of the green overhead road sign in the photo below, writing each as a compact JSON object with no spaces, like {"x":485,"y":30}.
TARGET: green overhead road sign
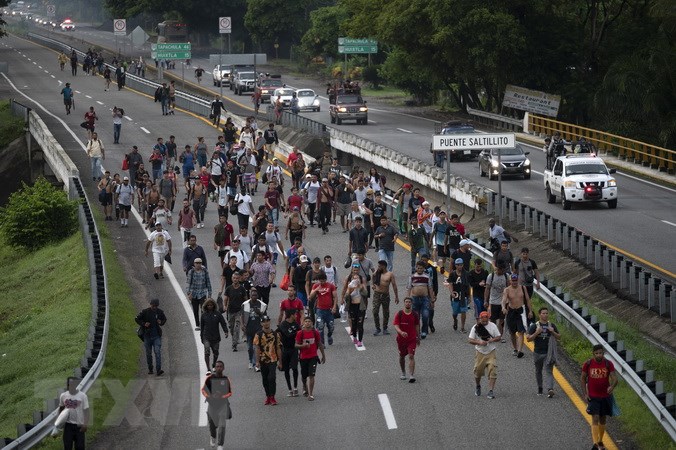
{"x":363,"y":49}
{"x":360,"y":41}
{"x":172,"y":47}
{"x":170,"y":55}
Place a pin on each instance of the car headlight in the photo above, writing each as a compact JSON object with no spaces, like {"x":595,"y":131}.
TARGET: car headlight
{"x":341,"y":109}
{"x":526,"y":162}
{"x":363,"y":109}
{"x":316,"y":102}
{"x":494,"y":163}
{"x":612,"y":182}
{"x":569,"y":184}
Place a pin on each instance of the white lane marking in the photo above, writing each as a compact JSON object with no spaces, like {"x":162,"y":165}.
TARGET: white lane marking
{"x":646,"y":181}
{"x":88,"y":96}
{"x":167,"y":267}
{"x":372,"y":121}
{"x":46,"y":71}
{"x":100,"y":103}
{"x":34,"y":62}
{"x":78,"y":92}
{"x":128,"y":118}
{"x":669,"y":223}
{"x":349,"y":333}
{"x":60,"y":82}
{"x":53,"y":77}
{"x":146,"y":131}
{"x":387,"y":412}
{"x":539,"y":173}
{"x":404,"y":131}
{"x":40,"y":67}
{"x":28,"y":58}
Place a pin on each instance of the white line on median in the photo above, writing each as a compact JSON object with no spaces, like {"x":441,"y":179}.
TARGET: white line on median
{"x":88,"y":96}
{"x":669,"y":223}
{"x":387,"y":411}
{"x":52,"y":76}
{"x":100,"y":103}
{"x":146,"y":131}
{"x":404,"y":131}
{"x":128,"y":118}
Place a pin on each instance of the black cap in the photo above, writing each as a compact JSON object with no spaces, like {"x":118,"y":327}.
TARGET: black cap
{"x":265,"y":318}
{"x":155,"y":302}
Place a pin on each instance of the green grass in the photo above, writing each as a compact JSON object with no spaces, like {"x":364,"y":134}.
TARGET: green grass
{"x":44,"y":321}
{"x":11,"y":126}
{"x":385,"y":92}
{"x":636,"y":419}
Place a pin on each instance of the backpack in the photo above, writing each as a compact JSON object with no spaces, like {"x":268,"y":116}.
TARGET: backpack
{"x":158,"y":94}
{"x":529,"y":275}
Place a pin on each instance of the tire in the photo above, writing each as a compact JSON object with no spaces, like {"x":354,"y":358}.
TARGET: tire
{"x":565,"y":203}
{"x":526,"y":176}
{"x":551,"y":198}
{"x":339,"y":121}
{"x":612,"y":204}
{"x":491,"y":177}
{"x":317,"y":110}
{"x":481,"y":171}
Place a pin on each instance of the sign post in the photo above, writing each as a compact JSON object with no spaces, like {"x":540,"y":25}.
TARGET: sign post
{"x":224,"y":27}
{"x":119,"y":29}
{"x":449,"y":142}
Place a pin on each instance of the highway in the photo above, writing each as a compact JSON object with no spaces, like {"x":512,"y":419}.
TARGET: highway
{"x":645,"y":209}
{"x":440,"y":411}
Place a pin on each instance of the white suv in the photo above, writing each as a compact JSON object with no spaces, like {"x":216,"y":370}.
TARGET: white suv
{"x":221,"y":74}
{"x":580,"y":178}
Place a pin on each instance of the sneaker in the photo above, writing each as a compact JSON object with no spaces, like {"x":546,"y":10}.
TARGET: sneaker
{"x":354,"y":340}
{"x":220,"y":447}
{"x":539,"y":391}
{"x":151,"y":371}
{"x":519,"y":355}
{"x":160,"y":373}
{"x":455,"y":324}
{"x":267,"y":400}
{"x":55,"y":432}
{"x":491,"y":395}
{"x":432,"y":329}
{"x":376,"y":333}
{"x":330,"y":340}
{"x":274,"y":285}
{"x":304,"y":393}
{"x":157,"y":276}
{"x":502,"y":341}
{"x":359,"y":344}
{"x":197,"y":328}
{"x":250,"y":366}
{"x":311,"y":398}
{"x":423,"y":335}
{"x":477,"y":391}
{"x":463,"y":331}
{"x":403,"y":376}
{"x":295,"y":392}
{"x":273,"y":401}
{"x":290,"y":394}
{"x":212,"y":442}
{"x":412,"y":379}
{"x":550,"y":393}
{"x":257,"y":369}
{"x":514,"y":353}
{"x":386,"y":332}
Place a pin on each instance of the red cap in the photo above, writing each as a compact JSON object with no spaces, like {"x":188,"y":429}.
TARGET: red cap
{"x":484,"y":314}
{"x":407,"y":185}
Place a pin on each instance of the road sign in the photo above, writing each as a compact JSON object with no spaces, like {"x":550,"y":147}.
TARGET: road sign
{"x":360,"y":49}
{"x":51,"y":10}
{"x":224,"y":25}
{"x":351,"y":41}
{"x":120,"y":27}
{"x":172,"y":47}
{"x":138,"y":37}
{"x":170,"y":55}
{"x":472,"y":141}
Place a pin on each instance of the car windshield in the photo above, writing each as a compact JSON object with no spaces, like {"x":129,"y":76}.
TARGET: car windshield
{"x":284,"y":92}
{"x":507,"y":151}
{"x":306,"y":93}
{"x":246,"y":75}
{"x":269,"y":83}
{"x":348,"y":99}
{"x":458,"y":130}
{"x":594,"y":168}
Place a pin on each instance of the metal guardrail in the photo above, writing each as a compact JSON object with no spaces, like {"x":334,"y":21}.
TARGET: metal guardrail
{"x":656,"y":157}
{"x":642,"y":381}
{"x":21,"y":110}
{"x":650,"y":289}
{"x":496,"y":120}
{"x":97,"y":342}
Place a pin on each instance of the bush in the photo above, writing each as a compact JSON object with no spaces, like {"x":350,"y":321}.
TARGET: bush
{"x":38,"y":215}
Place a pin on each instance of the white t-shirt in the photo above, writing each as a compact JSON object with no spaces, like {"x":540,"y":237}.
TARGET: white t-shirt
{"x":360,"y":195}
{"x":331,"y":274}
{"x":241,"y":255}
{"x":274,"y":173}
{"x":160,"y":241}
{"x":162,"y":216}
{"x":497,"y":232}
{"x":243,"y":208}
{"x":245,"y":243}
{"x":222,"y":195}
{"x":271,"y":240}
{"x":125,"y":194}
{"x":492,"y":330}
{"x":216,"y":167}
{"x":77,"y":403}
{"x":312,"y":190}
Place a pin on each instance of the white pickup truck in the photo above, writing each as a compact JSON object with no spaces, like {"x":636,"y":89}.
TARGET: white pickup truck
{"x":580,"y":178}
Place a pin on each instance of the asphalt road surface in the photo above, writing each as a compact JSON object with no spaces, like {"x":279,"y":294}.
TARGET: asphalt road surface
{"x":439,"y":411}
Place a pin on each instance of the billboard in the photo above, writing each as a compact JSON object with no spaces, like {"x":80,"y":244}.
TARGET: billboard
{"x":535,"y":102}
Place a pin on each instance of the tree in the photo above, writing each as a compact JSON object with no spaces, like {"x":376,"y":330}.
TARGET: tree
{"x":3,"y":3}
{"x":271,"y":21}
{"x":322,"y":37}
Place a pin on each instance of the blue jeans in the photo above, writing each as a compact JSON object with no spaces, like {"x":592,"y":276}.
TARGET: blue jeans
{"x":324,"y":318}
{"x":478,"y":306}
{"x":117,"y":127}
{"x":202,"y":159}
{"x":387,"y":255}
{"x":250,"y":348}
{"x":414,"y":256}
{"x":153,"y":345}
{"x":421,"y":305}
{"x":165,"y":106}
{"x":96,"y":167}
{"x":157,"y":174}
{"x":274,"y":216}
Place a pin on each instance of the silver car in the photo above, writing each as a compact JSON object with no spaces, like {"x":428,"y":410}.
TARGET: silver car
{"x":307,"y":100}
{"x":284,"y":94}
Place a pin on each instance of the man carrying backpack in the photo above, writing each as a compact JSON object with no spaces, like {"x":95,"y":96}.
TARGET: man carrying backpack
{"x":528,"y":271}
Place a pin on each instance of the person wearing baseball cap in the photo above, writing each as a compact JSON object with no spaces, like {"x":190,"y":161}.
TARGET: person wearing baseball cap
{"x":463,"y":252}
{"x":268,"y":358}
{"x":483,"y":337}
{"x":458,"y":284}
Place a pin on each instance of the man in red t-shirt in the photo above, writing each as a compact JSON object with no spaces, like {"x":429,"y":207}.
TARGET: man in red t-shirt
{"x":598,"y":382}
{"x":326,"y":304}
{"x":291,"y":303}
{"x":309,"y":341}
{"x":407,"y":324}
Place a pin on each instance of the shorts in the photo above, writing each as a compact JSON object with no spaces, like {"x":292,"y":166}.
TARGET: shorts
{"x":486,"y":363}
{"x":342,"y":209}
{"x":67,"y":101}
{"x":124,"y":207}
{"x":108,"y":199}
{"x":158,"y":258}
{"x":406,"y":346}
{"x":209,"y":346}
{"x":459,"y":307}
{"x":441,"y":253}
{"x":599,"y":407}
{"x":496,"y":313}
{"x":516,"y":320}
{"x":308,"y":367}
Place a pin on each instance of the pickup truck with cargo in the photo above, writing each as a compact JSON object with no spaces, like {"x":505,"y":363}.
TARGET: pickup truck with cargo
{"x":580,"y":178}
